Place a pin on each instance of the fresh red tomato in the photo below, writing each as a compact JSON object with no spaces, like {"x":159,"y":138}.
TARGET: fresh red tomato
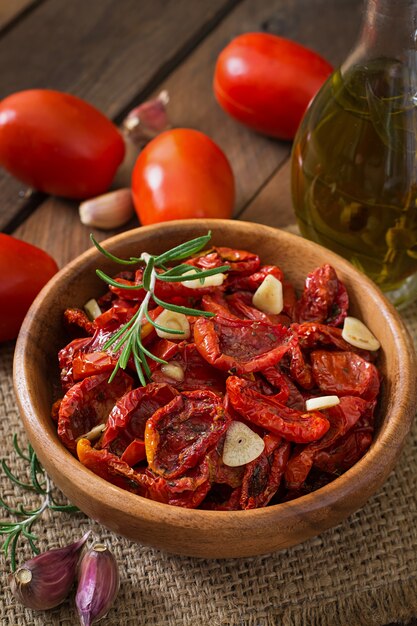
{"x":59,"y":144}
{"x":266,"y":82}
{"x":24,"y":270}
{"x":182,"y":174}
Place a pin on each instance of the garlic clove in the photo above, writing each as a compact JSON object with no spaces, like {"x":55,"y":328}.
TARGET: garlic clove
{"x":209,"y":281}
{"x":322,"y":402}
{"x":98,"y":584}
{"x":46,"y":580}
{"x":108,"y":211}
{"x":269,"y":298}
{"x":173,"y":370}
{"x":172,"y":321}
{"x":147,"y":120}
{"x":357,"y":334}
{"x":92,"y":309}
{"x":241,"y":445}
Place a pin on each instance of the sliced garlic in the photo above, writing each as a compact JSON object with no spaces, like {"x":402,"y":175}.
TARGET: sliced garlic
{"x":241,"y":445}
{"x":92,"y":309}
{"x":173,"y":321}
{"x":209,"y":281}
{"x":357,"y":334}
{"x":173,"y":370}
{"x":108,"y":211}
{"x":94,"y":433}
{"x":269,"y":297}
{"x":323,"y":402}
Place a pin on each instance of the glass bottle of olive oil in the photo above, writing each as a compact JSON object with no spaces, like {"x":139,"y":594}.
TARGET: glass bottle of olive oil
{"x":354,"y":163}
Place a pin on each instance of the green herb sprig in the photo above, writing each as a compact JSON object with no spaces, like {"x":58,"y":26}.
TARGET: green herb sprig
{"x":39,"y":484}
{"x":127,"y":340}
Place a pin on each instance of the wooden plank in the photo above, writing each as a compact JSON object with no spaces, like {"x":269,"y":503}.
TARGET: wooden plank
{"x":12,"y":9}
{"x":106,"y":51}
{"x":254,"y":158}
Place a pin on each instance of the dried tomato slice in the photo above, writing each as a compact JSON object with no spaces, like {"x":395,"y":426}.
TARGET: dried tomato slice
{"x":275,"y":417}
{"x":312,"y":335}
{"x":324,"y":299}
{"x":187,"y":491}
{"x":263,"y":476}
{"x":76,"y":320}
{"x":198,"y":374}
{"x":300,"y":370}
{"x":239,"y":261}
{"x":66,"y":357}
{"x":88,"y":404}
{"x":222,"y":498}
{"x":221,"y":473}
{"x":345,"y":453}
{"x":241,"y":346}
{"x":89,"y":363}
{"x":128,"y":417}
{"x":288,"y":393}
{"x":134,"y":453}
{"x":217,"y":303}
{"x":108,"y":466}
{"x":241,"y":304}
{"x":178,"y":435}
{"x":342,"y":418}
{"x":254,"y":280}
{"x":345,"y":374}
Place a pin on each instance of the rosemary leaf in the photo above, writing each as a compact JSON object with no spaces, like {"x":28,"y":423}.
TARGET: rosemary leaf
{"x":110,"y":281}
{"x":172,"y":278}
{"x":181,"y":309}
{"x":184,"y":250}
{"x":111,"y":256}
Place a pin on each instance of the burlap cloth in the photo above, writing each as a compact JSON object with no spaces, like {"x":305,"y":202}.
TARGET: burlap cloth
{"x":364,"y":571}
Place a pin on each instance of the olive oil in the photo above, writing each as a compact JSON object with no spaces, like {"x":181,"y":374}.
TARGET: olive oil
{"x":354,"y":171}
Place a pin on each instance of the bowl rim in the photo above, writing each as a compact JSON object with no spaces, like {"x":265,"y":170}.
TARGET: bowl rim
{"x":393,"y":434}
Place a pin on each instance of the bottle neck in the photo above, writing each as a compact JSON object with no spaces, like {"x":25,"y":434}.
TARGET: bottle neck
{"x":389,"y":29}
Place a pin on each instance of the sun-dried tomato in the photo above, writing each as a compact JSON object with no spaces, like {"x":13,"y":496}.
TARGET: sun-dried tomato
{"x":240,"y":346}
{"x":263,"y":476}
{"x":299,"y":369}
{"x":275,"y":417}
{"x":344,"y":374}
{"x":198,"y":374}
{"x":221,"y":497}
{"x":108,"y":466}
{"x":76,"y":320}
{"x":127,"y":420}
{"x":88,"y":404}
{"x":241,"y":304}
{"x":89,"y":363}
{"x":66,"y":357}
{"x":345,"y":453}
{"x":221,"y":473}
{"x":284,"y":389}
{"x":134,"y":453}
{"x":312,"y":335}
{"x":187,"y":491}
{"x":324,"y":299}
{"x":178,"y":435}
{"x":217,"y":303}
{"x":252,"y":281}
{"x":342,"y":418}
{"x":240,"y":261}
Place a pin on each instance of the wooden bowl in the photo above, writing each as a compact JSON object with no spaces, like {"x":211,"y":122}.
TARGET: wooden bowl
{"x":197,"y":532}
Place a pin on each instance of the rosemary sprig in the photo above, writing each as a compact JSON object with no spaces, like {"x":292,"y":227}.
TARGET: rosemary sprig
{"x":39,"y":484}
{"x":127,"y":341}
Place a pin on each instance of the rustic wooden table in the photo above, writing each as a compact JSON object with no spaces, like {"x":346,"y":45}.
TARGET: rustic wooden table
{"x":118,"y":53}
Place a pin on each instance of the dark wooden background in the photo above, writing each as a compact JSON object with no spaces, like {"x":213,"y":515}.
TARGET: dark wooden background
{"x":116,"y":53}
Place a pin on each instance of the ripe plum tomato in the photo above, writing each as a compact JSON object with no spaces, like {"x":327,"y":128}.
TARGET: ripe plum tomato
{"x":182,"y":174}
{"x":266,"y":82}
{"x":24,"y":270}
{"x":58,"y":143}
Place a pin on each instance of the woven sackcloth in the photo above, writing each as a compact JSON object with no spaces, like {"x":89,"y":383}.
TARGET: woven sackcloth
{"x":363,"y":572}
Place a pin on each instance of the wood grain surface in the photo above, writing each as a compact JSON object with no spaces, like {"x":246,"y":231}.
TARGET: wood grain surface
{"x":255,"y":159}
{"x":105,"y":52}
